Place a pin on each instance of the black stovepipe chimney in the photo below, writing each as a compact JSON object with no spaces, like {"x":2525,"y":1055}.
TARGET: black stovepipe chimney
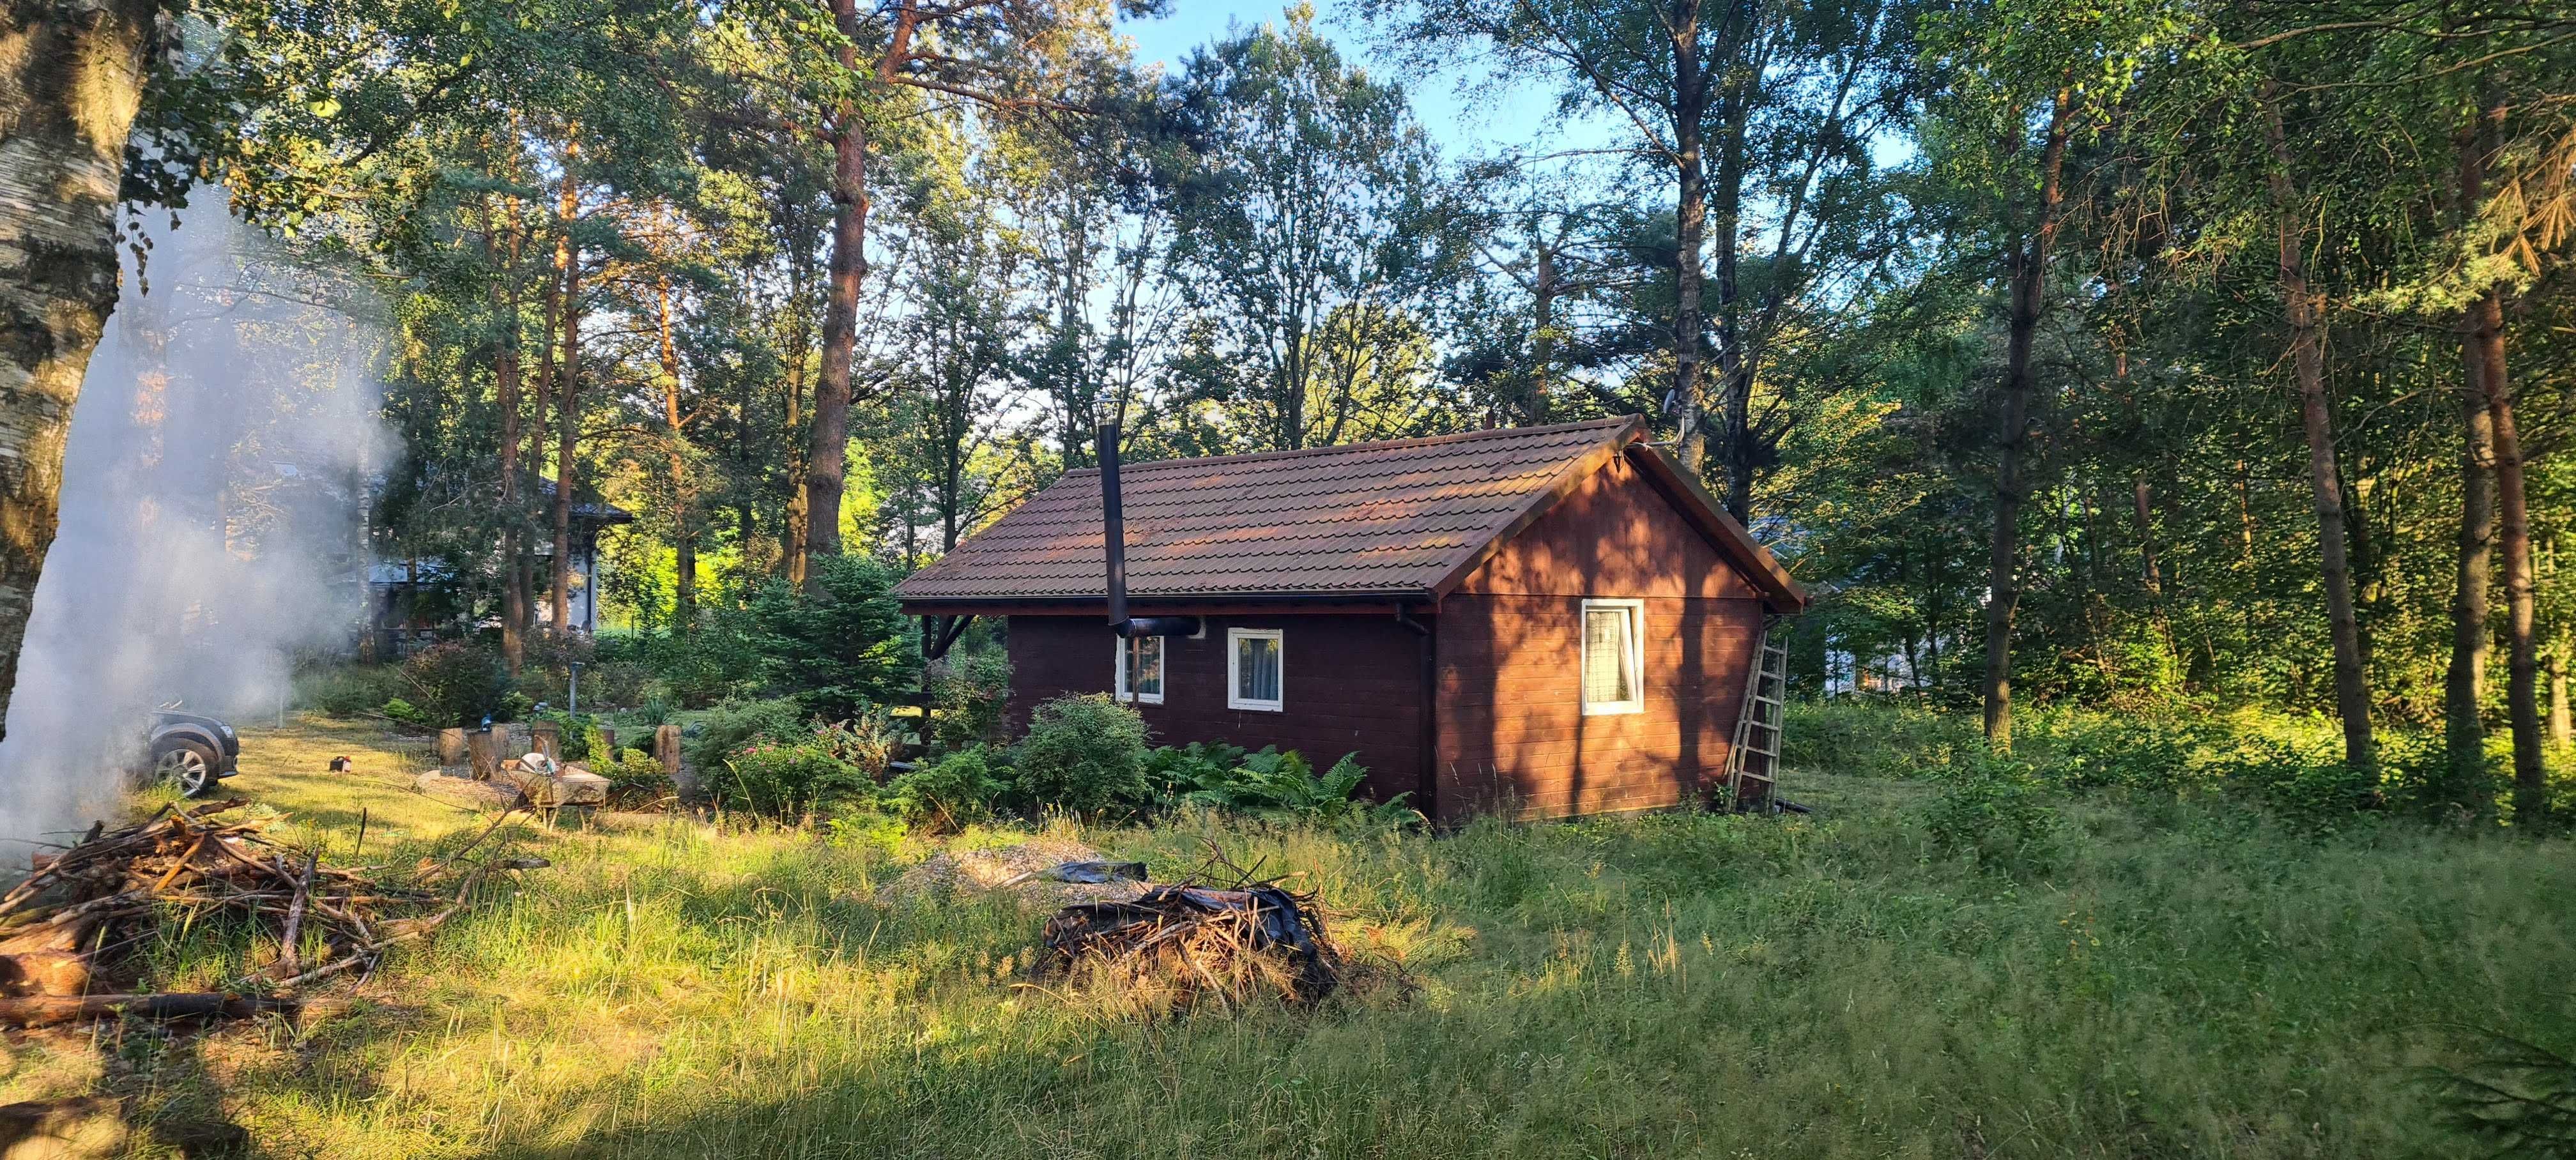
{"x":1113,"y":524}
{"x":1113,"y":534}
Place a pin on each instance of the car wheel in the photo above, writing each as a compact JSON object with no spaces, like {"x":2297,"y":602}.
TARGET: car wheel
{"x":188,"y":765}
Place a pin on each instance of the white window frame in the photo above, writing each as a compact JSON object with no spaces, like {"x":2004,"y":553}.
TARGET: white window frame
{"x":1234,"y":698}
{"x":1118,"y":669}
{"x":1635,"y":660}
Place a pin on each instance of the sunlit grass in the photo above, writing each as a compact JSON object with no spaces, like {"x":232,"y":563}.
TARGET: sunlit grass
{"x":2191,"y":980}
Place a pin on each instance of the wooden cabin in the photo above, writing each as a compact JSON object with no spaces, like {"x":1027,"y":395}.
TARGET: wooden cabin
{"x":1537,"y":621}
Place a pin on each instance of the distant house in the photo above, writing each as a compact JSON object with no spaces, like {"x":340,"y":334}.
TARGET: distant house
{"x":411,"y":601}
{"x":1540,"y":621}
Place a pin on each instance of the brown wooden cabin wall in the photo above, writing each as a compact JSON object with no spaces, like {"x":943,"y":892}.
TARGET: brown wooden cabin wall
{"x":1349,"y":684}
{"x":1512,"y":736}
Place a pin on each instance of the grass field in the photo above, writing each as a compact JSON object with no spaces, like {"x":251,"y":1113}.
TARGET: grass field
{"x":2190,"y":979}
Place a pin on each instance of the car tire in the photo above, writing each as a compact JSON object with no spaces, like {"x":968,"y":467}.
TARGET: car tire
{"x":187,"y":765}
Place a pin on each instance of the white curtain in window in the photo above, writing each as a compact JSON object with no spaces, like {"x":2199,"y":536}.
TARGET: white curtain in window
{"x":1256,"y":668}
{"x":1606,"y":636}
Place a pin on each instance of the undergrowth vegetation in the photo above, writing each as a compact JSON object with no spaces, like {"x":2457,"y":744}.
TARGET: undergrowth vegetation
{"x":2174,"y":974}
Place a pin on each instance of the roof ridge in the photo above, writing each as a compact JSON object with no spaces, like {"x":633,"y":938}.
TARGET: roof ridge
{"x":1130,"y":466}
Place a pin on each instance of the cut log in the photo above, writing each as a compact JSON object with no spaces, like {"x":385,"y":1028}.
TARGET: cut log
{"x":50,"y":1010}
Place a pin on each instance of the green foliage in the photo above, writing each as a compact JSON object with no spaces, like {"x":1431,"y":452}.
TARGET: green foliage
{"x":457,"y":682}
{"x":2307,"y":786}
{"x":785,"y":781}
{"x":1272,"y":784}
{"x":947,"y":795}
{"x":348,"y":690}
{"x":579,"y":733}
{"x":867,"y":740}
{"x":736,"y":725}
{"x":967,"y":697}
{"x":409,"y":714}
{"x":1996,"y":813}
{"x":694,"y":669}
{"x":1083,"y":754}
{"x":835,"y":648}
{"x":635,"y":778}
{"x":1174,"y":772}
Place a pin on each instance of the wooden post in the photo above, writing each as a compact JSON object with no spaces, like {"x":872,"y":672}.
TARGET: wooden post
{"x":666,"y":745}
{"x":451,"y":747}
{"x":607,"y":745}
{"x":547,"y":738}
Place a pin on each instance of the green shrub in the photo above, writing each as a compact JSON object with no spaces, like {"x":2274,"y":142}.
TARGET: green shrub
{"x":349,"y":690}
{"x":1083,"y":753}
{"x":579,"y":733}
{"x":967,"y":696}
{"x":840,"y":645}
{"x":1995,"y":812}
{"x":457,"y":682}
{"x":786,"y":781}
{"x":1282,"y":786}
{"x":736,"y":725}
{"x":635,"y":778}
{"x":867,"y":740}
{"x":405,"y":713}
{"x":1173,"y":773}
{"x":2307,"y":787}
{"x":694,"y":669}
{"x":947,"y":795}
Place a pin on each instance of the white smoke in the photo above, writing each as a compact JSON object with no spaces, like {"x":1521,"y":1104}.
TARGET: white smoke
{"x":213,"y":507}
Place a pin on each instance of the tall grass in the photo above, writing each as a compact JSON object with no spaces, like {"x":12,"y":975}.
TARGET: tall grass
{"x":2189,"y":979}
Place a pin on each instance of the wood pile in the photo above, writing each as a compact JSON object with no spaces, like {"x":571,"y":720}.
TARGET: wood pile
{"x":1175,"y":946}
{"x":69,"y":932}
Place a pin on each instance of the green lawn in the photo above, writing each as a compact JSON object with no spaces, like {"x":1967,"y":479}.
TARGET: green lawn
{"x":2191,"y":980}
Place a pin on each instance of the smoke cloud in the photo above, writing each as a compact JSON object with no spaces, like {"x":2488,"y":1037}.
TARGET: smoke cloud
{"x":215,"y":491}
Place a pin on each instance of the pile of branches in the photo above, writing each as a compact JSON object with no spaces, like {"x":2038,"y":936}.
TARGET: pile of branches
{"x":70,"y":933}
{"x":1176,"y":945}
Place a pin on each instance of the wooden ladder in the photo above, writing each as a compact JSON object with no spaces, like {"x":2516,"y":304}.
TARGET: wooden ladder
{"x":1753,"y":763}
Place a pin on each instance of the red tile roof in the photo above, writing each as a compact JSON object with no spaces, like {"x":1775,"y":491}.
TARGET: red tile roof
{"x":1395,"y":520}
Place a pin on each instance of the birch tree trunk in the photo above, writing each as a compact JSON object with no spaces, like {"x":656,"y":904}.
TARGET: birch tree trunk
{"x":2307,"y":363}
{"x":71,"y":78}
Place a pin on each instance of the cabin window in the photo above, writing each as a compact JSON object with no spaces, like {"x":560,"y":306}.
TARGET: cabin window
{"x":1252,"y":669}
{"x":1613,"y":669}
{"x":1138,"y":665}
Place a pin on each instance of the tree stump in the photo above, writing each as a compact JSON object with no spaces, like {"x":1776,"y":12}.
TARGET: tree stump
{"x":547,"y":738}
{"x":451,"y":747}
{"x":666,"y":745}
{"x":484,"y":746}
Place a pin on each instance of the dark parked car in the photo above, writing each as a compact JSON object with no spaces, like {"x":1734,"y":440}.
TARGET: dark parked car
{"x":193,"y":752}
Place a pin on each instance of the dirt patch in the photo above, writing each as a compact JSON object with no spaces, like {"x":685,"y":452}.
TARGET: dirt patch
{"x":1014,"y":869}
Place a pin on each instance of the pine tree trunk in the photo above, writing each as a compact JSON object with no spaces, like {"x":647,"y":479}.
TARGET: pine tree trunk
{"x":2307,"y":362}
{"x":505,"y":399}
{"x":2464,"y":684}
{"x":828,"y":453}
{"x":71,"y":77}
{"x":1690,"y":110}
{"x":2029,"y":278}
{"x":567,"y":398}
{"x":684,"y":533}
{"x":2522,"y":665}
{"x":2464,"y":734}
{"x":2562,"y":730}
